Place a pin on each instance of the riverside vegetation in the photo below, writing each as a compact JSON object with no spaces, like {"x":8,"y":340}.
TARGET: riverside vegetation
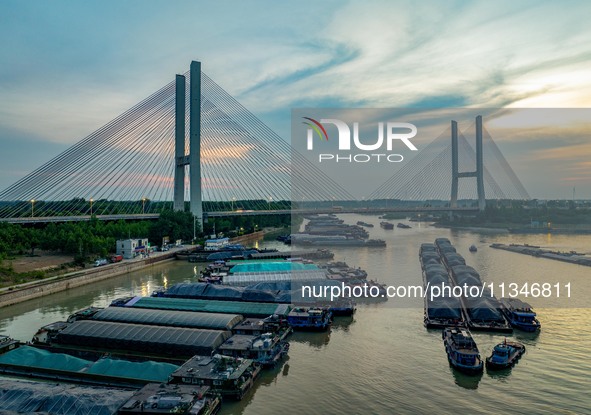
{"x":84,"y":241}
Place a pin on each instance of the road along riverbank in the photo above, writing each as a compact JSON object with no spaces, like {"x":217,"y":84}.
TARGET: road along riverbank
{"x":35,"y":289}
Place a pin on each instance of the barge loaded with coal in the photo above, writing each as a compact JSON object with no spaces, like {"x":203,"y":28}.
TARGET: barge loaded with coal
{"x":481,"y":312}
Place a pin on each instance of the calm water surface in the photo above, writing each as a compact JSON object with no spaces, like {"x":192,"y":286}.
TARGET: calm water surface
{"x":383,"y":361}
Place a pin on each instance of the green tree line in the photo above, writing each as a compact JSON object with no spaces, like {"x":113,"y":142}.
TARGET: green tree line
{"x":94,"y":237}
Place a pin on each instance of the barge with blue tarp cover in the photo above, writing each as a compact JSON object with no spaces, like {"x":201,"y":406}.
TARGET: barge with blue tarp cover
{"x":445,"y":310}
{"x":481,"y":309}
{"x":188,"y":319}
{"x":284,"y":292}
{"x":28,"y":361}
{"x":246,"y":309}
{"x":140,"y":338}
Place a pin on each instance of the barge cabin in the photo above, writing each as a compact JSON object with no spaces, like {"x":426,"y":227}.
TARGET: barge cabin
{"x":520,"y":314}
{"x":310,"y":318}
{"x":227,"y":376}
{"x":165,"y":399}
{"x":266,"y":349}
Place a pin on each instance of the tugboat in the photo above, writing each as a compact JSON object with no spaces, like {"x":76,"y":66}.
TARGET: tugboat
{"x":473,"y":248}
{"x":520,"y":314}
{"x":310,"y":318}
{"x":387,"y":225}
{"x":461,"y":350}
{"x":505,"y":355}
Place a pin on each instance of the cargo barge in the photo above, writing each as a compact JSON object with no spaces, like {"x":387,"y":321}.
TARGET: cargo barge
{"x":33,"y":362}
{"x":246,"y":309}
{"x":479,"y":312}
{"x":153,"y":317}
{"x":439,"y":312}
{"x":150,"y":340}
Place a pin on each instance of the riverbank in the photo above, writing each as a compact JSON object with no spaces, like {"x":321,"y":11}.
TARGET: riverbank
{"x":35,"y":289}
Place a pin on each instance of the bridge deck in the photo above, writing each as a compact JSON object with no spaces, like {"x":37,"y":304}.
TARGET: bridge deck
{"x":50,"y":219}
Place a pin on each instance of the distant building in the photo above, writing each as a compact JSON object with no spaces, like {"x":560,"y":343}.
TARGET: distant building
{"x":130,"y":248}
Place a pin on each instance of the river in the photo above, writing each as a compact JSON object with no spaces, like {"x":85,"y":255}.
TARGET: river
{"x":383,"y":361}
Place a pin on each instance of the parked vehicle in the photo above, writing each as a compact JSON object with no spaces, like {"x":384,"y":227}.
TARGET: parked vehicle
{"x":116,"y":258}
{"x":100,"y":262}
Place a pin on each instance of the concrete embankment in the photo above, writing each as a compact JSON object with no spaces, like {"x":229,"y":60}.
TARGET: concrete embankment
{"x":36,"y":289}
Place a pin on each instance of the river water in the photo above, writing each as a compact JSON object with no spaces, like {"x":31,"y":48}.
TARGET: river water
{"x":383,"y":361}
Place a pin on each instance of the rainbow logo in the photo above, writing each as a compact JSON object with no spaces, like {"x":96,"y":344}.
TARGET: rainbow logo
{"x":316,"y":126}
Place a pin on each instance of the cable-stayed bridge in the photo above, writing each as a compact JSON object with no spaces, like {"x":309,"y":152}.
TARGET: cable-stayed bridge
{"x":192,"y":141}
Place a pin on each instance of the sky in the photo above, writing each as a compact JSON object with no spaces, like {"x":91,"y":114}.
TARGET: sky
{"x":67,"y":68}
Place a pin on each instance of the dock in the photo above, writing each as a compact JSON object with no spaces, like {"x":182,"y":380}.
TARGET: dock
{"x":538,"y":252}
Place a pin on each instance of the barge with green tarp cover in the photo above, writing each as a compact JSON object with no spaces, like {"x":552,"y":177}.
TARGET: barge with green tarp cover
{"x":149,"y":340}
{"x":28,"y":361}
{"x":246,"y":309}
{"x":152,"y":317}
{"x":237,"y":267}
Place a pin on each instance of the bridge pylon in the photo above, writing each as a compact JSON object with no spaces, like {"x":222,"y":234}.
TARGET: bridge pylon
{"x":478,"y":174}
{"x":179,"y":138}
{"x":194,"y":157}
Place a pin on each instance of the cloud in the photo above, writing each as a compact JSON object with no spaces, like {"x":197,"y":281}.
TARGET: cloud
{"x":68,"y":68}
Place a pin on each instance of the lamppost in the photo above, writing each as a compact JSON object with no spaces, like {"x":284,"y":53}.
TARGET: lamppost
{"x":32,"y":207}
{"x":91,"y":200}
{"x":194,"y":229}
{"x":143,"y":206}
